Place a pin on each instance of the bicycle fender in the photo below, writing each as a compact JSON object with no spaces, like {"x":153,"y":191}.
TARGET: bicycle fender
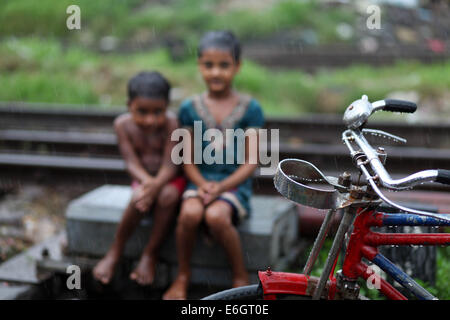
{"x":283,"y":283}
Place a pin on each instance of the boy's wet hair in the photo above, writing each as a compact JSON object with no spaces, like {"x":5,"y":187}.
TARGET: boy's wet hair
{"x":222,"y":40}
{"x":148,"y":84}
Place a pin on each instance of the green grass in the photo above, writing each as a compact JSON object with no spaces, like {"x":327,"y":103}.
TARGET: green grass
{"x":47,"y":18}
{"x":442,"y":287}
{"x":443,"y":273}
{"x":185,"y":19}
{"x":36,"y":70}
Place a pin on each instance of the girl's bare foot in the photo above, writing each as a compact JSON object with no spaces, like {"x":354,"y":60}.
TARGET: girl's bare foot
{"x":240,"y":281}
{"x":104,"y":269}
{"x":144,"y":273}
{"x":178,"y":289}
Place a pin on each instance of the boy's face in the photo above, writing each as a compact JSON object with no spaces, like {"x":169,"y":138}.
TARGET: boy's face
{"x":218,"y":69}
{"x":148,"y":113}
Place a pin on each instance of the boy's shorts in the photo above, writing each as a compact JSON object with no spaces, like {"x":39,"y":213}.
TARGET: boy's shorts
{"x":178,"y":182}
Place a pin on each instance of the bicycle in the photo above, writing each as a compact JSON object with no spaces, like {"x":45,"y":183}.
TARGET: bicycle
{"x":294,"y":179}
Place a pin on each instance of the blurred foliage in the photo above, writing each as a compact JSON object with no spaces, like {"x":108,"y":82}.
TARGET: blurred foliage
{"x":183,"y":19}
{"x":48,"y":17}
{"x":440,"y":290}
{"x":37,"y":70}
{"x":442,"y":287}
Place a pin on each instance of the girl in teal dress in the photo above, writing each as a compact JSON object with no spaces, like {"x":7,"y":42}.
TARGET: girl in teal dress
{"x":218,"y":193}
{"x":247,"y":114}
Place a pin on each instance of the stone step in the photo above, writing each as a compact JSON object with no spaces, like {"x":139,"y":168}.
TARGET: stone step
{"x":268,"y":236}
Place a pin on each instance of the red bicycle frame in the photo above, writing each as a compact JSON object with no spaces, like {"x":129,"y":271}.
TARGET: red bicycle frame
{"x":363,"y":243}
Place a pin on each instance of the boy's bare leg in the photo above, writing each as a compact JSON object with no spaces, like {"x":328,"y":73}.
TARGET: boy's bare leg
{"x":218,"y":216}
{"x":163,"y":213}
{"x":190,"y":217}
{"x":104,"y":269}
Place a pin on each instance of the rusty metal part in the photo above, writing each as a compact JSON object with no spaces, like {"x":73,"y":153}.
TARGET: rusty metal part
{"x":347,"y":288}
{"x":345,"y":179}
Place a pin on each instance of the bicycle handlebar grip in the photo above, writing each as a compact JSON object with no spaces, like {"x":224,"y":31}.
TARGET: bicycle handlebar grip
{"x":443,"y":176}
{"x":394,"y":105}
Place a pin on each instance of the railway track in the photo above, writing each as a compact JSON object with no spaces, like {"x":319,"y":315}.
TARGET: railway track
{"x":311,"y":58}
{"x":83,"y":145}
{"x":310,"y":128}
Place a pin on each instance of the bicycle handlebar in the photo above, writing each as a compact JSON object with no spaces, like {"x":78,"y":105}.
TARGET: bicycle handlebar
{"x":373,"y":159}
{"x":356,"y":115}
{"x":443,"y":176}
{"x":360,"y":110}
{"x":291,"y":170}
{"x":399,"y":106}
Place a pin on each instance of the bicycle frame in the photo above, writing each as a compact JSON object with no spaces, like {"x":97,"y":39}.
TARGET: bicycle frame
{"x":363,"y":243}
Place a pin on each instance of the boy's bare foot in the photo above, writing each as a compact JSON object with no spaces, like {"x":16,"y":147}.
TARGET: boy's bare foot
{"x":104,"y":269}
{"x":178,"y":289}
{"x":144,"y":273}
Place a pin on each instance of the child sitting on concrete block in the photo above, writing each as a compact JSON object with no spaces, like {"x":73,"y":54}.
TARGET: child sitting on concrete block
{"x":144,"y":138}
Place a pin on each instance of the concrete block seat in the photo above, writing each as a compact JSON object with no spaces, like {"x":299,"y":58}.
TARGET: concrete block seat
{"x":268,"y":236}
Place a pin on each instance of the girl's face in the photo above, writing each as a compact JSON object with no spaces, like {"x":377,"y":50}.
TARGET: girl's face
{"x":149,"y":114}
{"x":218,"y":69}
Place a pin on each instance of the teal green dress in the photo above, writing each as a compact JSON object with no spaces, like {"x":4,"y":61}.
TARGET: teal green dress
{"x":247,"y":114}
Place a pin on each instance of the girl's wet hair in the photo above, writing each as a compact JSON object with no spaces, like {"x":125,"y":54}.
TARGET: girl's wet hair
{"x":148,"y":84}
{"x":222,"y":40}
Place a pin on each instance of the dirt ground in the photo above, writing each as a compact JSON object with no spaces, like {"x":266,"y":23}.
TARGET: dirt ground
{"x":30,"y":214}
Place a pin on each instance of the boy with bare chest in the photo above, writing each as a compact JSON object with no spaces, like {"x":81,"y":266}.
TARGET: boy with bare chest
{"x":149,"y":147}
{"x":144,"y":141}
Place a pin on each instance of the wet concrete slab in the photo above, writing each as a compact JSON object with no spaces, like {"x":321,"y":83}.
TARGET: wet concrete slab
{"x":14,"y":292}
{"x":22,"y":267}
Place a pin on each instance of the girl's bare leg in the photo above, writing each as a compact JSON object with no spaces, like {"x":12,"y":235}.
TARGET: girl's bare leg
{"x":190,"y":217}
{"x":218,"y":216}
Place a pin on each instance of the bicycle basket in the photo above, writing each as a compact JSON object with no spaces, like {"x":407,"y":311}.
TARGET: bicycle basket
{"x":292,"y":178}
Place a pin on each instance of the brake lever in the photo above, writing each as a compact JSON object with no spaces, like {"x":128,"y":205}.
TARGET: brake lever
{"x":383,"y":134}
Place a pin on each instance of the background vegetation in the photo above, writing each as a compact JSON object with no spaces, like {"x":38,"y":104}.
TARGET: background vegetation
{"x":43,"y":61}
{"x":43,"y":70}
{"x":186,"y":19}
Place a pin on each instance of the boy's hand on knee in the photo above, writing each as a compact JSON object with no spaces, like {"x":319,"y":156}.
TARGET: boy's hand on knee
{"x":150,"y":188}
{"x":143,"y":205}
{"x":143,"y":198}
{"x":144,"y":202}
